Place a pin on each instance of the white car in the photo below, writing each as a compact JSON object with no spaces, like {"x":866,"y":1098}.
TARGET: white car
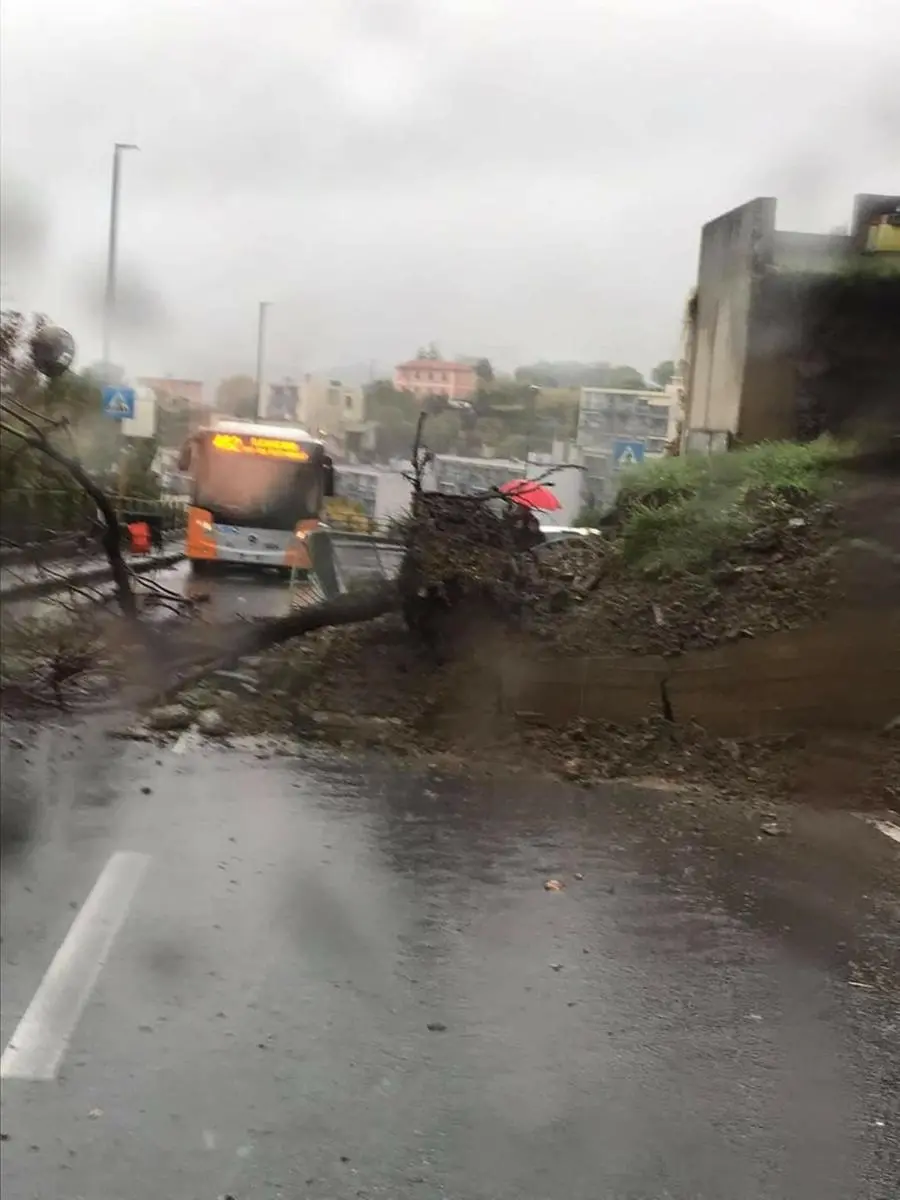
{"x":559,"y":533}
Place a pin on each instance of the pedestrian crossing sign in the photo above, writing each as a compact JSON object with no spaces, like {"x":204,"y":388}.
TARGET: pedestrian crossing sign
{"x":118,"y":403}
{"x":627,"y":453}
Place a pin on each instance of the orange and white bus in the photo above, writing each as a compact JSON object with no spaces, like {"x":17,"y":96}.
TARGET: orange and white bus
{"x":257,"y":491}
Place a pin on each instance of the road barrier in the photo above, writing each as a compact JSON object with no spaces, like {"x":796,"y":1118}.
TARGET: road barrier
{"x":46,"y":581}
{"x":38,"y":522}
{"x":386,"y":532}
{"x":48,"y":522}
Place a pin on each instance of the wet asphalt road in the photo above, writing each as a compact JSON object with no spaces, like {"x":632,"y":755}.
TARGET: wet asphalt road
{"x":244,"y":593}
{"x":333,"y":979}
{"x":227,"y":594}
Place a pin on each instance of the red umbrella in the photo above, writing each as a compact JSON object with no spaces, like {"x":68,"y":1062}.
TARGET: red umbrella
{"x":530,"y":495}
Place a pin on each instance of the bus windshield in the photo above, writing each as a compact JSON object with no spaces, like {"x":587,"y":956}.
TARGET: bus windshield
{"x":257,"y":491}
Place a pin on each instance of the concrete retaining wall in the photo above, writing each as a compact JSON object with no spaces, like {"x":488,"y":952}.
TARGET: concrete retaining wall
{"x":734,"y":252}
{"x":840,"y":675}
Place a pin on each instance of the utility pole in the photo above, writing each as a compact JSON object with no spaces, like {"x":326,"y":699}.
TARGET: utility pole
{"x":534,"y":391}
{"x":264,"y":306}
{"x":109,"y":300}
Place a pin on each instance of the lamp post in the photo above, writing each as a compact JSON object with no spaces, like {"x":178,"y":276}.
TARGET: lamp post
{"x":264,"y":306}
{"x":534,"y":392}
{"x":109,"y":301}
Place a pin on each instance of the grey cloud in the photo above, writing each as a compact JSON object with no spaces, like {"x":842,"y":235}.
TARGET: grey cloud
{"x":488,"y":172}
{"x":139,"y":306}
{"x":24,"y":227}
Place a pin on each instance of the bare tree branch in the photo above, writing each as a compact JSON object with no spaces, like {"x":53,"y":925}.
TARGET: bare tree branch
{"x":112,"y":535}
{"x":154,"y":587}
{"x":37,"y":421}
{"x":92,"y":595}
{"x":348,"y":609}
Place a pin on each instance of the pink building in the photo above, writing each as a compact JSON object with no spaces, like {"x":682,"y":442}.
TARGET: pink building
{"x":434,"y":377}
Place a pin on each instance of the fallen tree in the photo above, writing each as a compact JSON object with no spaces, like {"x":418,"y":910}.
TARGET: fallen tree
{"x":465,"y":565}
{"x":249,"y":639}
{"x":696,"y":553}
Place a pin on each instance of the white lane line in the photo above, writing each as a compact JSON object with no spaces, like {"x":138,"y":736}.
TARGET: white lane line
{"x":888,"y":828}
{"x":36,"y":1049}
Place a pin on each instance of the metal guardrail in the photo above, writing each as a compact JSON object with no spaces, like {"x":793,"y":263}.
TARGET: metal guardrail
{"x":39,"y":515}
{"x":45,"y":582}
{"x":35,"y":515}
{"x":365,"y":529}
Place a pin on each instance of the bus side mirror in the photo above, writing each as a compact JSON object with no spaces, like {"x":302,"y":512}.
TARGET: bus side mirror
{"x":327,"y":476}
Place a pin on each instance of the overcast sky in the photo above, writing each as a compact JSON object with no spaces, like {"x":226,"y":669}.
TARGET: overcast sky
{"x":519,"y":178}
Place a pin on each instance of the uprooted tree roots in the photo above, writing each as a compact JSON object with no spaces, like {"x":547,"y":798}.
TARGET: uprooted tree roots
{"x":464,"y":565}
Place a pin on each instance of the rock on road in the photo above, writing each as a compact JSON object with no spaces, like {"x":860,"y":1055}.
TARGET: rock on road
{"x":305,"y":977}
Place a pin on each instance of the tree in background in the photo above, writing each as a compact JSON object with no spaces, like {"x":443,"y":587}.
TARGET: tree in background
{"x":510,"y":416}
{"x":489,"y":432}
{"x":430,"y":352}
{"x":590,"y":517}
{"x":395,"y":413}
{"x":514,"y":445}
{"x":70,"y":404}
{"x":444,"y":431}
{"x":663,"y":373}
{"x":136,"y":478}
{"x":578,"y":374}
{"x":237,"y":396}
{"x":516,"y":408}
{"x":101,"y":373}
{"x":484,"y":371}
{"x":174,"y":421}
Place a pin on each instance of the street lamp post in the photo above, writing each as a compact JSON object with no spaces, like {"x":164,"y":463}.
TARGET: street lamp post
{"x":534,"y":392}
{"x":109,"y":301}
{"x":264,"y":306}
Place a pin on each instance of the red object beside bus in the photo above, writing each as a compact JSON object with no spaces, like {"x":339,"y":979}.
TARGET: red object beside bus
{"x":141,"y":540}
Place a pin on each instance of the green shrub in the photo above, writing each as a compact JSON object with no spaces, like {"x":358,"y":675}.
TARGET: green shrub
{"x":684,"y":515}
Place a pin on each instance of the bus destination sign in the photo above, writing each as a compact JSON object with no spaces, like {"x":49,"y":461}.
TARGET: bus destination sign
{"x":266,"y":447}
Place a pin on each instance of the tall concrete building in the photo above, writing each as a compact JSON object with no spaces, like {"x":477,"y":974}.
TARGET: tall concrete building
{"x":774,"y":325}
{"x":335,"y":411}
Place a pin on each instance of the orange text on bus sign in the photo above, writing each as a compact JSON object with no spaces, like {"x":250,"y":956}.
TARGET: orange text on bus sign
{"x":233,"y":443}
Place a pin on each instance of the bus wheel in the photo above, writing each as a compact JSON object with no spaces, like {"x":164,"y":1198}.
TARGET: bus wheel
{"x":201,"y":566}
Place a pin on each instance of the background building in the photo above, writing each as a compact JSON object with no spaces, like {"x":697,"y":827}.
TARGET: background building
{"x":617,"y":429}
{"x":336,"y":412}
{"x":460,"y":475}
{"x":385,"y":492}
{"x":329,"y":405}
{"x":283,"y":401}
{"x":180,"y":408}
{"x":382,"y":493}
{"x":436,"y":377}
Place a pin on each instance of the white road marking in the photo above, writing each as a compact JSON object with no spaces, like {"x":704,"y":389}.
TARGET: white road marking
{"x":888,"y":828}
{"x":36,"y":1049}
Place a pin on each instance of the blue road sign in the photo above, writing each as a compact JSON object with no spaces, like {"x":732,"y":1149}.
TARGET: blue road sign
{"x":627,"y":453}
{"x":118,"y":402}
